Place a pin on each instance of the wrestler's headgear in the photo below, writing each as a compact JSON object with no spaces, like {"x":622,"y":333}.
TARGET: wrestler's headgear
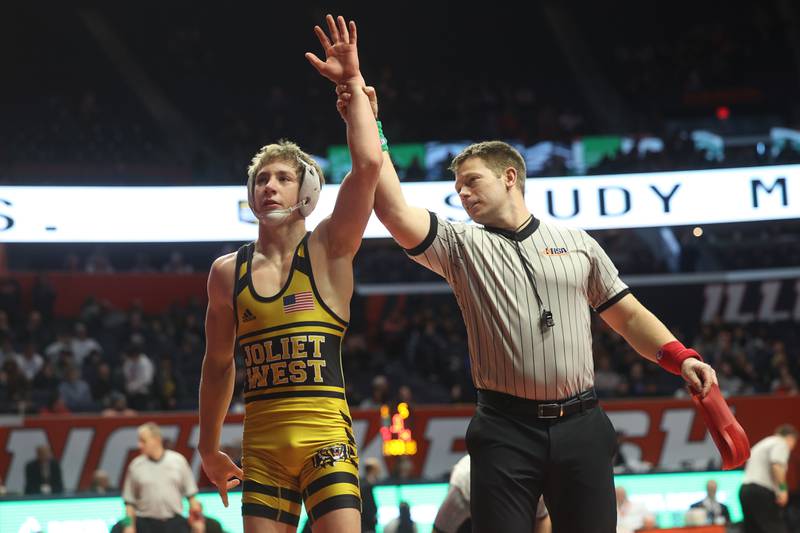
{"x":310,"y":186}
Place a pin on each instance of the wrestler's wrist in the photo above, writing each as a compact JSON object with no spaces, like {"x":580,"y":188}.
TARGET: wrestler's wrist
{"x":354,"y":82}
{"x":673,"y":355}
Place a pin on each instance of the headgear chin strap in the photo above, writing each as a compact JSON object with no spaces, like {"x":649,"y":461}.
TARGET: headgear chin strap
{"x":308,"y":195}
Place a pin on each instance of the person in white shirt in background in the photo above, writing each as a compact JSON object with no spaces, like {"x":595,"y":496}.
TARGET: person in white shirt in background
{"x":82,"y":344}
{"x":764,"y":492}
{"x":30,"y":361}
{"x":632,"y":516}
{"x":155,"y":484}
{"x":454,"y":513}
{"x":139,"y":372}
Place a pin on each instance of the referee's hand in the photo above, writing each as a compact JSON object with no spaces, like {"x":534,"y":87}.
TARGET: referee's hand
{"x":222,"y":472}
{"x":698,"y":375}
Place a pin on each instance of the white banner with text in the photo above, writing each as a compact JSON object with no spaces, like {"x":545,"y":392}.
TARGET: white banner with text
{"x":221,"y":213}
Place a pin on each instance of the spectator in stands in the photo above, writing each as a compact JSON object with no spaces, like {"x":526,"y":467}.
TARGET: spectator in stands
{"x":200,"y":523}
{"x":101,"y":383}
{"x":176,"y":264}
{"x":153,"y":505}
{"x":637,"y":381}
{"x":17,"y":386}
{"x":394,"y":330}
{"x":100,"y":482}
{"x":403,"y":523}
{"x":72,"y":263}
{"x":30,"y":362}
{"x":631,"y":516}
{"x":142,"y":264}
{"x":7,"y":350}
{"x":75,"y":392}
{"x":83,"y":344}
{"x":54,"y":405}
{"x":35,"y":331}
{"x":729,"y":383}
{"x":379,"y":395}
{"x":63,"y":362}
{"x":63,"y":342}
{"x":369,"y":509}
{"x":403,"y":470}
{"x":43,"y":297}
{"x":117,"y":406}
{"x":785,"y":383}
{"x":137,"y":370}
{"x":717,"y":513}
{"x":43,"y":474}
{"x":607,"y":381}
{"x":6,"y":405}
{"x":5,"y":327}
{"x":404,"y":395}
{"x":99,"y":263}
{"x":46,"y":379}
{"x":166,"y":385}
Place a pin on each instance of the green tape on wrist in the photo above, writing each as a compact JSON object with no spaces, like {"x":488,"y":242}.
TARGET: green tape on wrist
{"x":126,"y":521}
{"x":382,"y":137}
{"x":782,"y":486}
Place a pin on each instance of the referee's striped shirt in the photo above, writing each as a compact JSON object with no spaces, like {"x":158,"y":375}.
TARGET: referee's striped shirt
{"x":509,"y":349}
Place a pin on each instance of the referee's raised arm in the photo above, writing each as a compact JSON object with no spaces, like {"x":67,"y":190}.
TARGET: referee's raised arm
{"x":408,"y":225}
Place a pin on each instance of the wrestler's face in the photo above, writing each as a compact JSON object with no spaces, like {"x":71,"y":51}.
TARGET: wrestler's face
{"x":482,"y":192}
{"x":276,"y":186}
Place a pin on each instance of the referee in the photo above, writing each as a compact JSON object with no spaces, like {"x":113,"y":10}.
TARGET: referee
{"x":155,"y":484}
{"x":525,"y":289}
{"x":764,"y":490}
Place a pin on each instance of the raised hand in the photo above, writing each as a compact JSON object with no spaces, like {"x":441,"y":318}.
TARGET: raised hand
{"x":341,"y":52}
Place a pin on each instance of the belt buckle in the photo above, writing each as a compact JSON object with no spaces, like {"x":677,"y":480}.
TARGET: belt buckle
{"x":543,"y":406}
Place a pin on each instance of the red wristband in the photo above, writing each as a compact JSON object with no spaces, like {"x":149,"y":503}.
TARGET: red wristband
{"x":672,"y":355}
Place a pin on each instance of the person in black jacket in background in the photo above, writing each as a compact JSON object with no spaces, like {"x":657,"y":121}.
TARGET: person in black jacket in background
{"x":43,"y":474}
{"x":717,"y":512}
{"x":369,"y":509}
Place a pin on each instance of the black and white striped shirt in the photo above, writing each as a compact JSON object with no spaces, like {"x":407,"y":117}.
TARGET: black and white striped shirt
{"x":511,"y":351}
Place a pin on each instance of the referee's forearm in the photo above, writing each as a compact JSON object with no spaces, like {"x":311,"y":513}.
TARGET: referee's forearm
{"x":647,"y":334}
{"x":638,"y":326}
{"x":216,"y":390}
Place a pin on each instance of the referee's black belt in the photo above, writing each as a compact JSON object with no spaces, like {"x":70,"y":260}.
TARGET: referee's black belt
{"x":544,"y":409}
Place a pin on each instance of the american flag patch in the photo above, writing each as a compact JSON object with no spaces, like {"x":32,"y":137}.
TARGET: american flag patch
{"x":301,"y":301}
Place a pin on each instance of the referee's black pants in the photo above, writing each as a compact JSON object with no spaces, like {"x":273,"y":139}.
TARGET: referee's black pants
{"x":516,"y":457}
{"x":176,"y":524}
{"x":761,"y":512}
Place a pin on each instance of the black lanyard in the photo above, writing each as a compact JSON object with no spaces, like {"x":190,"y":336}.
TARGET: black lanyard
{"x":546,"y":319}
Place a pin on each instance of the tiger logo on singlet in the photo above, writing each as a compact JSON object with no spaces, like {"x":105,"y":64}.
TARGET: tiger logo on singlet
{"x":298,"y":444}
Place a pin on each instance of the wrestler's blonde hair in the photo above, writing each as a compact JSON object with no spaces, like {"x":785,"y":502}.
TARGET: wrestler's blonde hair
{"x":285,"y":151}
